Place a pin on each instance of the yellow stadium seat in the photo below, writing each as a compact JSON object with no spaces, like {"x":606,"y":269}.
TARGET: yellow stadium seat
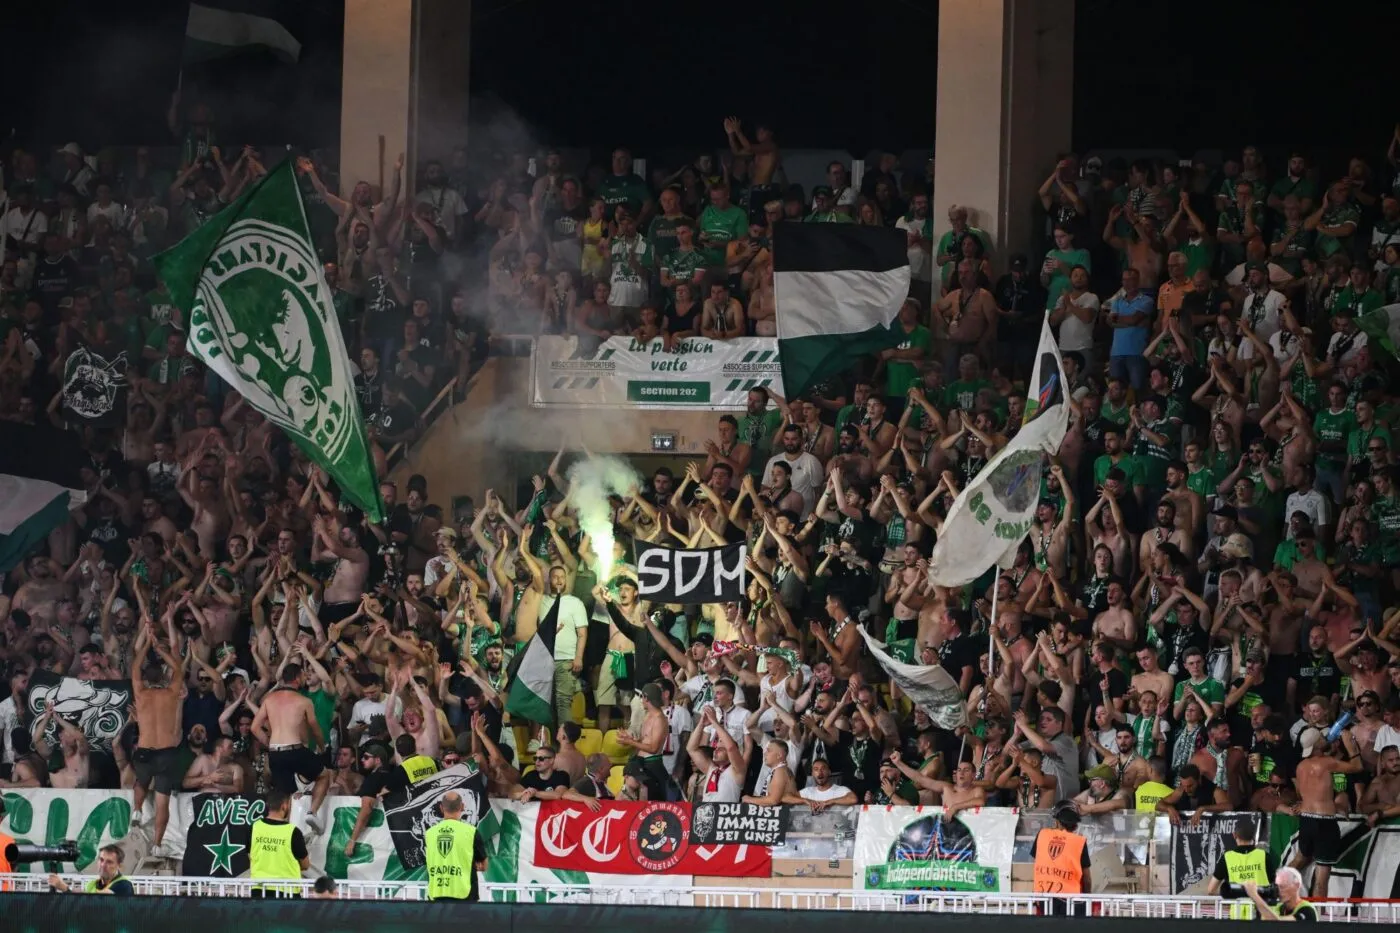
{"x":579,"y":710}
{"x":615,"y":750}
{"x":590,"y":742}
{"x":615,"y":780}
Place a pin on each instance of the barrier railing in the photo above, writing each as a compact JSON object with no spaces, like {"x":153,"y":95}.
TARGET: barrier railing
{"x":1085,"y":905}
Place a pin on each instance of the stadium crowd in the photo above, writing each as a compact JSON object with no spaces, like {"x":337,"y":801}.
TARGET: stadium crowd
{"x":1197,"y":621}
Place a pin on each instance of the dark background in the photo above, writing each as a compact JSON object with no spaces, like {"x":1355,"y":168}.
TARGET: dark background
{"x":1183,"y":75}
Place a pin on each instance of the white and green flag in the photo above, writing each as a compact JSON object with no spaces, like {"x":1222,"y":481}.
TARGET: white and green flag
{"x":838,"y":288}
{"x":922,"y":849}
{"x":530,"y":695}
{"x":260,"y":315}
{"x":1382,"y":328}
{"x":217,"y":28}
{"x":993,"y":514}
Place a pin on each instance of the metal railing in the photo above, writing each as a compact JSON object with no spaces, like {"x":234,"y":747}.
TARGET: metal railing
{"x":1084,"y":905}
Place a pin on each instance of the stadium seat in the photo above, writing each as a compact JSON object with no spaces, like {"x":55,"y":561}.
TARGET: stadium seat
{"x":590,"y":742}
{"x":615,"y":780}
{"x":579,"y":711}
{"x":615,"y":750}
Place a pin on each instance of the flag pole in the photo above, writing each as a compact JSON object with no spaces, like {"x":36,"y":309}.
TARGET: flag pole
{"x":991,"y":657}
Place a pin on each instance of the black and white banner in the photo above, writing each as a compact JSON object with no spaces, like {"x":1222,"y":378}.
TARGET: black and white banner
{"x":1196,"y":847}
{"x":98,"y":707}
{"x":94,"y":388}
{"x":700,"y":575}
{"x":409,"y":813}
{"x":744,"y":823}
{"x":217,"y":839}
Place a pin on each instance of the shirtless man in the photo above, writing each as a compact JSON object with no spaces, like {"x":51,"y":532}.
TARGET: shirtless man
{"x":1382,"y":800}
{"x":157,"y":690}
{"x":1285,"y":625}
{"x":780,"y":784}
{"x":1167,"y":531}
{"x":648,"y":749}
{"x":421,"y":721}
{"x":74,"y":744}
{"x":41,"y":591}
{"x":762,"y":150}
{"x":331,"y":540}
{"x":286,"y":724}
{"x":1190,"y":505}
{"x":962,"y":794}
{"x":1117,"y":625}
{"x":528,"y":586}
{"x":216,"y":771}
{"x":1151,"y":679}
{"x":345,"y":778}
{"x":1050,"y":535}
{"x":211,"y":519}
{"x":610,"y":695}
{"x":155,"y":521}
{"x":1319,"y":838}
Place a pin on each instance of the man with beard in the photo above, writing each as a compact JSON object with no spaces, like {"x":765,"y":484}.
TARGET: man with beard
{"x":649,"y":746}
{"x":1129,"y":768}
{"x":72,"y":743}
{"x":38,"y":594}
{"x":570,"y":640}
{"x":345,"y":778}
{"x":1224,"y":765}
{"x":729,"y":449}
{"x":216,"y":771}
{"x":757,"y":428}
{"x":332,"y":541}
{"x":804,"y":469}
{"x":1382,"y":799}
{"x":1116,"y":456}
{"x":286,"y":724}
{"x":1164,"y":535}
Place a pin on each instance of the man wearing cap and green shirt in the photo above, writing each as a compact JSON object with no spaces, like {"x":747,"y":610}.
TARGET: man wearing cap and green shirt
{"x":1243,"y":863}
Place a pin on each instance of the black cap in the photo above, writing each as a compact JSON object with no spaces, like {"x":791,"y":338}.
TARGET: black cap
{"x":1226,"y":511}
{"x":820,"y":190}
{"x":1019,"y":262}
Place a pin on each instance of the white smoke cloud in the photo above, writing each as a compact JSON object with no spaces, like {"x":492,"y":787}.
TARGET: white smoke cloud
{"x":591,"y":481}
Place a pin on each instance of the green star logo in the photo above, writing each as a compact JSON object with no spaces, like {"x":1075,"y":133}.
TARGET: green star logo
{"x":223,"y":852}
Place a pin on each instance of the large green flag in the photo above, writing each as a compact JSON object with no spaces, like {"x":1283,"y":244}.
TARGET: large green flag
{"x":260,"y":315}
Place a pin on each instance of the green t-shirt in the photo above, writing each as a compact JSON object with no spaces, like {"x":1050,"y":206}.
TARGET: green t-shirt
{"x":1129,"y":464}
{"x":1154,"y":457}
{"x":323,"y":704}
{"x":1203,"y":482}
{"x":1059,"y":280}
{"x":1358,"y":438}
{"x":1385,"y":513}
{"x":681,"y":265}
{"x":1303,"y":189}
{"x":758,"y":433}
{"x":1333,"y":428}
{"x":951,"y":242}
{"x":1298,"y":246}
{"x":1358,"y":302}
{"x":662,"y":233}
{"x":962,"y":394}
{"x":1336,"y":216}
{"x":1118,"y":414}
{"x":1199,"y":253}
{"x":1210,"y":690}
{"x":901,"y":374}
{"x":623,"y":189}
{"x":721,"y":226}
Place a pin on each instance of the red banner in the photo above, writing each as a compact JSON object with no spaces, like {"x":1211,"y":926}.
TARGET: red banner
{"x":637,"y":838}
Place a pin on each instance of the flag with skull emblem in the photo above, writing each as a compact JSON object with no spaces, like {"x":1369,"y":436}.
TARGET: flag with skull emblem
{"x":261,"y":315}
{"x":94,"y":388}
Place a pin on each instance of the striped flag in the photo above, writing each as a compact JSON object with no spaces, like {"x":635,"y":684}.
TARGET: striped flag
{"x":218,"y":28}
{"x":838,"y":288}
{"x":39,"y":484}
{"x":531,"y":692}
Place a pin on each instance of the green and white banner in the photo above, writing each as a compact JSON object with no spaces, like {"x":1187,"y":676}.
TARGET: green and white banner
{"x":95,"y":818}
{"x":627,"y":373}
{"x":1369,"y":865}
{"x":918,"y":848}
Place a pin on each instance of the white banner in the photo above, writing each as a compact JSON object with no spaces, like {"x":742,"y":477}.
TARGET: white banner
{"x":928,"y":686}
{"x":627,"y":373}
{"x":95,"y":818}
{"x":917,"y":848}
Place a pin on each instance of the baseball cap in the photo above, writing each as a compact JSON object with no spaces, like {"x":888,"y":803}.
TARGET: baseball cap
{"x":1226,"y":511}
{"x":1238,"y":546}
{"x":820,"y":190}
{"x":1018,"y":262}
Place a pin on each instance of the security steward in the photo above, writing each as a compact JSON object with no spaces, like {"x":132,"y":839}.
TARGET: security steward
{"x":454,"y":853}
{"x":1290,"y":904}
{"x":5,"y":842}
{"x":1061,"y":857}
{"x":415,"y":766}
{"x":1153,"y":789}
{"x":277,"y":850}
{"x":109,"y":880}
{"x":1244,"y":863}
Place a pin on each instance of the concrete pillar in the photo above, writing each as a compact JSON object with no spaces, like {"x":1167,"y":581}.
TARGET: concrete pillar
{"x":405,"y":82}
{"x":1004,"y":98}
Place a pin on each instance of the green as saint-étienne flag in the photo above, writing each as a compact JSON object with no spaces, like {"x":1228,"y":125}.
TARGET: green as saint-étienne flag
{"x":260,"y":315}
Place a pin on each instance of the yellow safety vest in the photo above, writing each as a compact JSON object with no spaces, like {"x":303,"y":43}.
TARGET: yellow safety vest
{"x":95,"y":886}
{"x":447,"y":849}
{"x":1242,"y":866}
{"x":1148,"y":793}
{"x":270,"y":856}
{"x":419,"y":767}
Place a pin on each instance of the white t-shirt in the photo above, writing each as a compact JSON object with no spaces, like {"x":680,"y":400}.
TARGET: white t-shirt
{"x":1262,"y":311}
{"x":807,"y":477}
{"x":25,"y":228}
{"x":721,"y":786}
{"x":681,"y":723}
{"x":920,"y":261}
{"x":447,"y":205}
{"x":1277,"y":273}
{"x":366,"y":709}
{"x":1312,"y":503}
{"x":114,"y":212}
{"x":1074,"y":333}
{"x":9,"y":722}
{"x":816,"y":794}
{"x":1386,"y":736}
{"x":1358,"y":341}
{"x":572,"y":617}
{"x":844,"y":197}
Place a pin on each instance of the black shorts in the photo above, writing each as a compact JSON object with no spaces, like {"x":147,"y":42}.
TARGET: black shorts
{"x":1319,"y":839}
{"x":157,"y":769}
{"x":286,"y":763}
{"x":332,"y":613}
